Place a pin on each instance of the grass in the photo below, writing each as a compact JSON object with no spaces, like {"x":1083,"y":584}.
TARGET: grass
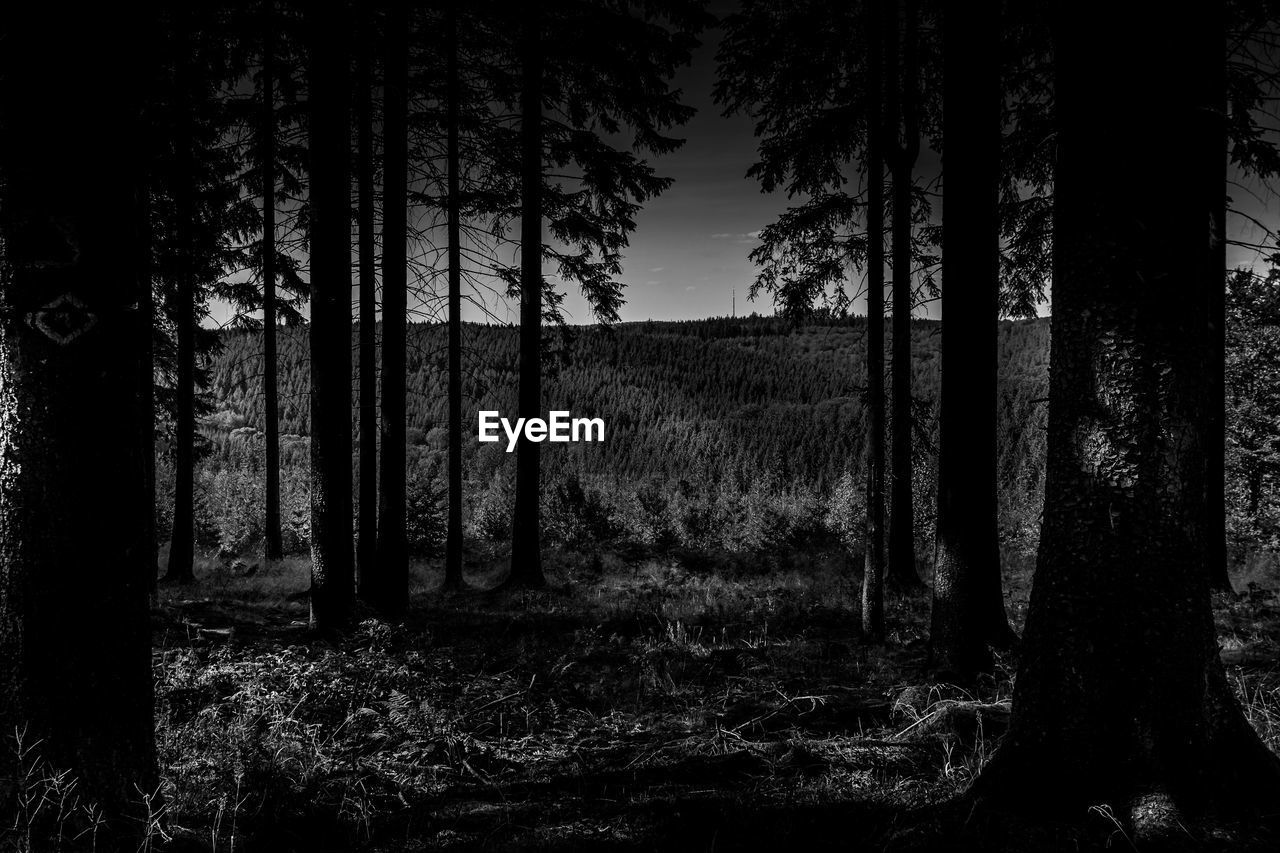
{"x":637,"y":703}
{"x":633,"y":701}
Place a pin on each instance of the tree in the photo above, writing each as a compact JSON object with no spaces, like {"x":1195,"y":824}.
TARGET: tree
{"x":273,"y":547}
{"x":902,"y":82}
{"x":332,"y":570}
{"x":147,"y":378}
{"x":453,"y":95}
{"x":389,"y":592}
{"x":820,"y":109}
{"x":75,"y":656}
{"x":873,"y":568}
{"x":526,"y":549}
{"x":1121,"y":700}
{"x":1212,"y":189}
{"x":182,"y":539}
{"x":574,"y":97}
{"x":968,"y":614}
{"x":367,"y":505}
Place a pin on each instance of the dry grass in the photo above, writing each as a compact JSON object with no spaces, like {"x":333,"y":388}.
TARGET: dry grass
{"x":633,"y":699}
{"x":635,"y":704}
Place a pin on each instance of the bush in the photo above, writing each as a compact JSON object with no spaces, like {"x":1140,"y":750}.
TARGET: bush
{"x":427,"y":511}
{"x":492,"y":516}
{"x":574,"y":516}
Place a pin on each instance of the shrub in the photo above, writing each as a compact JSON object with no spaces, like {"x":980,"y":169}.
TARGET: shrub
{"x":574,"y":516}
{"x":492,"y":516}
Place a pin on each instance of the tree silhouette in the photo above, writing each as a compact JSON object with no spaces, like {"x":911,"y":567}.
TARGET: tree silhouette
{"x":968,"y":614}
{"x":74,"y":628}
{"x":332,"y":569}
{"x":388,"y":588}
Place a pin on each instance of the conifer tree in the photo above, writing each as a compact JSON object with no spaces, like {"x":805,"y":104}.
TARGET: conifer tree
{"x":367,"y":503}
{"x":968,"y":616}
{"x":388,"y":588}
{"x":74,"y":628}
{"x":573,"y":97}
{"x":332,"y":569}
{"x":1121,"y":701}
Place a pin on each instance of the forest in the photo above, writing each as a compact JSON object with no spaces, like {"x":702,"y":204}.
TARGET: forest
{"x":964,"y":534}
{"x":706,"y":419}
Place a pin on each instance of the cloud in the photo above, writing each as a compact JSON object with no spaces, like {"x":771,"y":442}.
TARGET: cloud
{"x":746,"y":237}
{"x":656,"y":269}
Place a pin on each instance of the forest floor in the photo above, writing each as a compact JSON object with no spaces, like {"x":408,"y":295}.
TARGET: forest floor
{"x":637,"y":703}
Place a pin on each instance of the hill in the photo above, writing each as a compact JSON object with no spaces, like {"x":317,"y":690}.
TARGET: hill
{"x":703,"y":419}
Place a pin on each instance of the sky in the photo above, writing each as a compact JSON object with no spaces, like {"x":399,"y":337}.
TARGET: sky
{"x":688,"y":255}
{"x":689,"y":250}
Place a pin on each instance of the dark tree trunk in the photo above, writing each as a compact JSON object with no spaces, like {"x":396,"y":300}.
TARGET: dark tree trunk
{"x":75,"y":650}
{"x":181,"y":567}
{"x":968,"y":604}
{"x":390,"y":592}
{"x":453,"y":547}
{"x":273,"y":546}
{"x":366,"y":547}
{"x":873,"y":569}
{"x":332,"y":570}
{"x":1121,"y":699}
{"x":526,"y":551}
{"x":1215,"y":512}
{"x":147,"y":378}
{"x":903,"y":72}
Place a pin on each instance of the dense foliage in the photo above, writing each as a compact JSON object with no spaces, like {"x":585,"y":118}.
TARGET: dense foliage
{"x":721,"y":434}
{"x":724,"y":434}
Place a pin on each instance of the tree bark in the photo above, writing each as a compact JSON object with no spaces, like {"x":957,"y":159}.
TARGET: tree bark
{"x":147,"y":375}
{"x":366,"y":547}
{"x":181,"y":567}
{"x":273,"y":546}
{"x":526,"y":550}
{"x":390,"y":592}
{"x":873,"y":568}
{"x":453,"y":547}
{"x":332,"y":570}
{"x":1121,"y":699}
{"x":1215,"y":512}
{"x":903,"y":72}
{"x":75,"y":656}
{"x":968,"y":615}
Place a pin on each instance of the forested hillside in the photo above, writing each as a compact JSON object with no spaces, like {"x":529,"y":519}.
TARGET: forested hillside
{"x":694,"y":411}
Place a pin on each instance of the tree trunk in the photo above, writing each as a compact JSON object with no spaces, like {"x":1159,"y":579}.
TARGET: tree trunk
{"x":75,"y":652}
{"x":453,"y":549}
{"x":366,"y":547}
{"x":181,"y":567}
{"x":968,"y":605}
{"x":273,"y":546}
{"x":526,"y":551}
{"x":902,"y":85}
{"x":1121,"y":699}
{"x":873,"y":569}
{"x":332,"y":570}
{"x":1215,"y":511}
{"x":147,"y":377}
{"x":390,"y":593}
